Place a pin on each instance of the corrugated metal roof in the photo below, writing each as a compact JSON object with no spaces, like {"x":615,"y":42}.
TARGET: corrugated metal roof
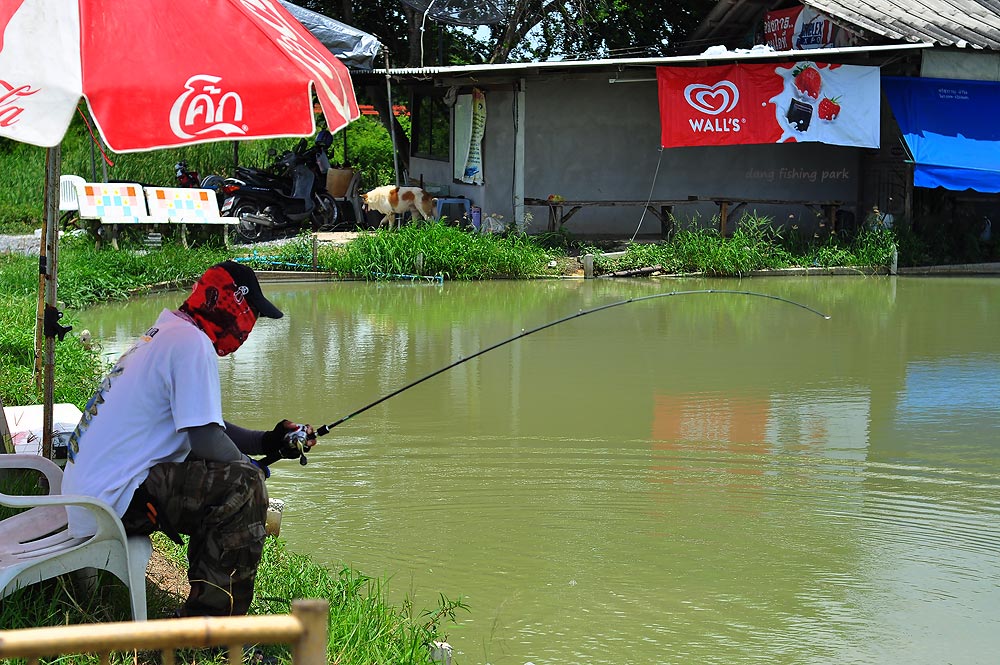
{"x":621,"y":63}
{"x":973,"y":23}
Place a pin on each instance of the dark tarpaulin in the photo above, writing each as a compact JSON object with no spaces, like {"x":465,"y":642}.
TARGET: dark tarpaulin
{"x":353,"y":47}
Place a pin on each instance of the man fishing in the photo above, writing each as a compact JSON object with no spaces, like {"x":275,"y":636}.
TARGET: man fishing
{"x":152,"y":442}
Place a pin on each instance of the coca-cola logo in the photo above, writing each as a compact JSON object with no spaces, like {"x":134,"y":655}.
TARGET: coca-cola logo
{"x":10,"y":96}
{"x":204,"y":108}
{"x":712,"y":99}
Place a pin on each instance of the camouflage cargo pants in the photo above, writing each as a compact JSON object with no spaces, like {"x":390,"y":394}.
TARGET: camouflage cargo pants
{"x":222,"y":506}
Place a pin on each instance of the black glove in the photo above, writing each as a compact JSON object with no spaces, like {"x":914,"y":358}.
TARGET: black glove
{"x":277,"y":443}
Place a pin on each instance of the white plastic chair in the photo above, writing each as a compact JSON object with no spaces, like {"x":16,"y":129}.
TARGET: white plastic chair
{"x":68,"y":200}
{"x":35,"y":545}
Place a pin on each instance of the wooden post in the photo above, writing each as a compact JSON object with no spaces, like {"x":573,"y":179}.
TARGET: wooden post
{"x":588,"y":266}
{"x":666,"y":221}
{"x":418,"y":263}
{"x":5,"y":436}
{"x":53,"y":161}
{"x":310,"y":649}
{"x":315,"y":248}
{"x":40,"y":310}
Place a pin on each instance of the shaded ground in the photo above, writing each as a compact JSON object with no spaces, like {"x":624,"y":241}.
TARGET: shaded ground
{"x":168,"y":578}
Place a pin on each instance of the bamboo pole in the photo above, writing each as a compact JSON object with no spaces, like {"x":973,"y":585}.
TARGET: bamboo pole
{"x":314,"y":615}
{"x":192,"y":632}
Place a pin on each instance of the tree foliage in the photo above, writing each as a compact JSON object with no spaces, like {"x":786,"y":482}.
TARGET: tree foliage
{"x":532,"y":30}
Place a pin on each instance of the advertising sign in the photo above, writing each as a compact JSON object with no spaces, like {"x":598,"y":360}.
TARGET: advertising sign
{"x":801,"y":28}
{"x":768,"y":103}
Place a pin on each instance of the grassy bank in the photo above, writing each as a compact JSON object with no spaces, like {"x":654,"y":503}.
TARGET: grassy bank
{"x":755,"y":245}
{"x":364,"y":627}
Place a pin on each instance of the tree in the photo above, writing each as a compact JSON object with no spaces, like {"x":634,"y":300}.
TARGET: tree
{"x":533,"y":29}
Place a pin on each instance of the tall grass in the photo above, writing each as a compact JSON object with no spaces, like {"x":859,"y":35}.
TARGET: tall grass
{"x":446,"y":251}
{"x":755,"y":245}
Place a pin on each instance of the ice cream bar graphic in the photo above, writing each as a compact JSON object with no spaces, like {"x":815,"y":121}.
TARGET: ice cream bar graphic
{"x":799,"y":114}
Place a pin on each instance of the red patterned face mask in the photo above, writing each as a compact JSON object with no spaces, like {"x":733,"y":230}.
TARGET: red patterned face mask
{"x":220,"y":309}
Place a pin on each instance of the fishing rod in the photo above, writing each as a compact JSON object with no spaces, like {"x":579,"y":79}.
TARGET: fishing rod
{"x":325,"y":429}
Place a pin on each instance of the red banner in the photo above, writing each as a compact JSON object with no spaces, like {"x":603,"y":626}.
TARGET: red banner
{"x":768,"y":103}
{"x":797,"y":28}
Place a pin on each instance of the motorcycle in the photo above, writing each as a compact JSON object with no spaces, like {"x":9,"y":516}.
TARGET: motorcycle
{"x":285,"y":196}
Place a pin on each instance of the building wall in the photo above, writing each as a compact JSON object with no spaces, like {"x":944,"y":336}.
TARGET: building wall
{"x":588,"y":139}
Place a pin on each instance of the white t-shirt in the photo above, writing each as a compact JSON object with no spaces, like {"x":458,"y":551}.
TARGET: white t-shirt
{"x":168,"y":380}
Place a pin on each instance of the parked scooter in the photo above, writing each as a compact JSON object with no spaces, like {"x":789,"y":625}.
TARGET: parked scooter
{"x":187,"y":177}
{"x":286,"y":196}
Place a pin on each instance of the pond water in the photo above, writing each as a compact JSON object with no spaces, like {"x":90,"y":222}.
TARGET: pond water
{"x":707,"y":478}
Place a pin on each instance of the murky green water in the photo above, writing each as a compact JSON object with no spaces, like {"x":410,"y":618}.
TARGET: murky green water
{"x":696,"y":479}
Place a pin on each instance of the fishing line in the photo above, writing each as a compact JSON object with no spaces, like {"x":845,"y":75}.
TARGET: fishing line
{"x":325,"y":429}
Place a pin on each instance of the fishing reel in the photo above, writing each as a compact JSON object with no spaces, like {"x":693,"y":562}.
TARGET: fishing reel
{"x":301,"y":439}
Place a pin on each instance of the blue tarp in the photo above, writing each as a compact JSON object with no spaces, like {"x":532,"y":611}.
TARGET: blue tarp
{"x":951,"y":128}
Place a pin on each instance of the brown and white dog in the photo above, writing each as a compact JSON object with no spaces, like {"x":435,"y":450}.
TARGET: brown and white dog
{"x":390,"y":200}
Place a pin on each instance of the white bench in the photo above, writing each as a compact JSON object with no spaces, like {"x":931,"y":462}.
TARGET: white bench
{"x":115,"y":204}
{"x":188,"y":205}
{"x":112,"y":204}
{"x":36,"y":545}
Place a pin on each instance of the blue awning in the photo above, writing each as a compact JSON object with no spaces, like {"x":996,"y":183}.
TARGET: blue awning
{"x":951,"y":128}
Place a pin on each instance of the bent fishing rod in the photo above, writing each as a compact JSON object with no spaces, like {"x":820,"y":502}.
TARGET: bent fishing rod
{"x":325,"y":429}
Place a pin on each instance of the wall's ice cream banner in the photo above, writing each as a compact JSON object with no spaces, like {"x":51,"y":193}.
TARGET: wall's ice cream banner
{"x":768,"y":103}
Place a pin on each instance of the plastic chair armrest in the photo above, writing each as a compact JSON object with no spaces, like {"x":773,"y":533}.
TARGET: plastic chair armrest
{"x":51,"y":471}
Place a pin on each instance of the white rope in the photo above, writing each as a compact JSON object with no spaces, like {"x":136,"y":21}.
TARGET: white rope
{"x":423,"y":22}
{"x":649,"y":198}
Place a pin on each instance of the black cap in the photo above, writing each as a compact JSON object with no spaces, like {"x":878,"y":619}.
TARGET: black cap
{"x":245,"y":277}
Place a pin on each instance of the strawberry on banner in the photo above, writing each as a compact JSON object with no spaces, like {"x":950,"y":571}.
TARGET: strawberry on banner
{"x":767,"y":103}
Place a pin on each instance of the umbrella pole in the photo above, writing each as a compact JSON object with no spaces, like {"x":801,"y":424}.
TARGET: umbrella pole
{"x":40,"y":310}
{"x":47,"y":271}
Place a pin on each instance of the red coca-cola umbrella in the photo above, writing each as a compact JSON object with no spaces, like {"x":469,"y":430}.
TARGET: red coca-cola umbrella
{"x":157,"y":75}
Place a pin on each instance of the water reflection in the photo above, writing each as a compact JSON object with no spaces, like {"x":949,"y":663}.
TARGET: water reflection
{"x":710,"y":479}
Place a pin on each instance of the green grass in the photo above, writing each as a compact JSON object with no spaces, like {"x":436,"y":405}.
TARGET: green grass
{"x":447,"y":251}
{"x":364,"y":626}
{"x":755,"y":245}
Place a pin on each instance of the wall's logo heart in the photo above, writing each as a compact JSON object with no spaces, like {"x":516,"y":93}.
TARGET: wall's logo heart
{"x":712,"y":99}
